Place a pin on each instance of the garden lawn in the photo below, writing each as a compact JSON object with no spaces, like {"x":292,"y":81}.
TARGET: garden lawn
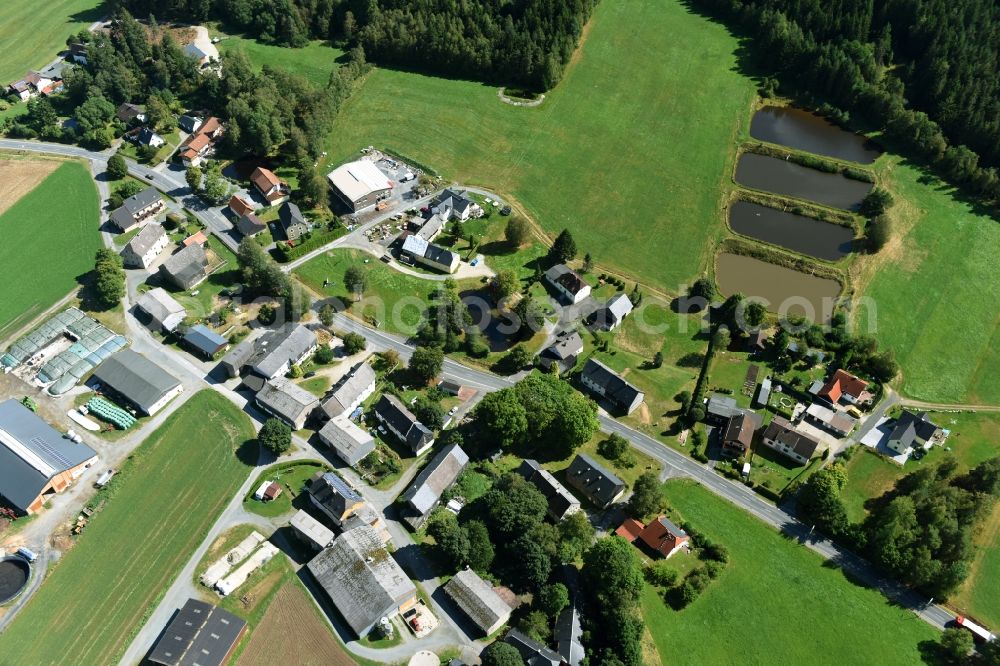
{"x":936,"y":296}
{"x":395,"y":299}
{"x":775,"y":602}
{"x":629,"y":151}
{"x":55,"y":226}
{"x":292,"y":478}
{"x":31,"y":39}
{"x":159,"y":508}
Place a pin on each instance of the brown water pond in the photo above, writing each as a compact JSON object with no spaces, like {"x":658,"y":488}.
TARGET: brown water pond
{"x":784,"y":290}
{"x":772,"y":174}
{"x":799,"y":233}
{"x":803,"y":130}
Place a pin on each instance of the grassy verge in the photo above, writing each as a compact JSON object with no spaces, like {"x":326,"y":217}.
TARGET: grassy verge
{"x":158,"y":509}
{"x":292,"y":478}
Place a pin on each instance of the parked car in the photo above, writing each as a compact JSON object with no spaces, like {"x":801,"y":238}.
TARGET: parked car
{"x":27,"y":554}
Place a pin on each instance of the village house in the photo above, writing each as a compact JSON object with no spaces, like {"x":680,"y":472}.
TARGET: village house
{"x":453,"y":205}
{"x":425,"y":492}
{"x":78,"y":53}
{"x":911,"y":430}
{"x":430,"y":255}
{"x":334,"y":497}
{"x":561,"y":502}
{"x":147,"y":137}
{"x":604,"y":382}
{"x":136,"y":382}
{"x":402,"y":423}
{"x":663,"y":536}
{"x":192,"y":51}
{"x":137,"y":209}
{"x":187,"y":268}
{"x":570,"y":286}
{"x":130,"y":113}
{"x":250,"y":225}
{"x":845,"y":387}
{"x":720,"y":408}
{"x":837,"y":423}
{"x":159,"y":311}
{"x":33,"y":84}
{"x":349,"y":441}
{"x":201,"y":141}
{"x":594,"y":482}
{"x":314,"y":534}
{"x":190,"y":124}
{"x":359,"y":184}
{"x":782,"y":436}
{"x":286,"y":400}
{"x":476,"y":598}
{"x":271,"y":355}
{"x":431,"y":228}
{"x":198,"y":237}
{"x":145,"y":247}
{"x":613,"y":313}
{"x":562,"y":353}
{"x":362,"y":579}
{"x":240,"y":206}
{"x":36,"y":461}
{"x":350,"y":392}
{"x":292,"y":221}
{"x":531,"y":651}
{"x":274,"y":190}
{"x":738,"y":435}
{"x":568,"y":633}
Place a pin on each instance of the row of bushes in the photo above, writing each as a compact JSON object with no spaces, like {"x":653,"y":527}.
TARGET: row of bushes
{"x":284,"y":254}
{"x":812,"y":161}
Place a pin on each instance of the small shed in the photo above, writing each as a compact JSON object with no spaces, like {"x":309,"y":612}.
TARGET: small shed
{"x":204,"y":341}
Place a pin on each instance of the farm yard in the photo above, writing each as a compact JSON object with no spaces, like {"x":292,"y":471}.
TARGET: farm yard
{"x":158,"y":509}
{"x":786,"y":590}
{"x":30,"y":39}
{"x":57,"y":218}
{"x":623,"y":168}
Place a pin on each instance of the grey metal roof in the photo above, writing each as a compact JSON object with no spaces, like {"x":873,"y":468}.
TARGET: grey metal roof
{"x":289,"y":215}
{"x":146,"y":238}
{"x":910,"y":426}
{"x":568,"y":635}
{"x":204,"y":339}
{"x":31,"y":453}
{"x":311,"y":528}
{"x":187,"y":266}
{"x":361,"y":578}
{"x":533,"y":653}
{"x":286,"y":399}
{"x":593,"y":480}
{"x":200,"y":634}
{"x":250,"y":224}
{"x":122,"y":219}
{"x":357,"y":383}
{"x":160,"y":305}
{"x":239,"y":355}
{"x":281,"y":347}
{"x":135,"y":378}
{"x":477,"y":600}
{"x":435,"y":478}
{"x":782,"y":431}
{"x":348,"y":441}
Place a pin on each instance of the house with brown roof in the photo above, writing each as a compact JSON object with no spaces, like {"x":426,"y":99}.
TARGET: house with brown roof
{"x":202,"y":139}
{"x":274,"y":190}
{"x":567,"y":283}
{"x":782,"y":436}
{"x":844,"y":386}
{"x":738,"y":435}
{"x":240,"y":206}
{"x":664,"y":536}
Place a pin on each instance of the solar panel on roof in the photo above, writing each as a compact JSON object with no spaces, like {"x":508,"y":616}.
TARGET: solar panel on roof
{"x":53,"y":455}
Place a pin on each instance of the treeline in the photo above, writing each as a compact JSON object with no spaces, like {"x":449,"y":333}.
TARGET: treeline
{"x":527,"y":43}
{"x":926,"y":71}
{"x":920,"y":531}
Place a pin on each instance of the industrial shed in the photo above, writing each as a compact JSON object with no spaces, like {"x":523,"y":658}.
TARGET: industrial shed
{"x":137,"y":381}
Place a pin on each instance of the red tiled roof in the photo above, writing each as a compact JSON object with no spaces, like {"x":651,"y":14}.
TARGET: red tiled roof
{"x":843,"y":382}
{"x":662,"y":535}
{"x":240,"y":206}
{"x":210,"y":126}
{"x":200,"y":238}
{"x":272,"y":491}
{"x":630,"y":529}
{"x":264,"y":179}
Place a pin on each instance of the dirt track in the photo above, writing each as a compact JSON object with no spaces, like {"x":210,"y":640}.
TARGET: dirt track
{"x":18,"y":177}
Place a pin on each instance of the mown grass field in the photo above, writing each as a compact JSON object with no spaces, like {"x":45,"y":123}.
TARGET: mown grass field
{"x":31,"y":37}
{"x":161,"y":506}
{"x":775,"y":602}
{"x":629,"y":151}
{"x":936,"y":296}
{"x":54,"y":226}
{"x":397,"y":300}
{"x":314,"y":62}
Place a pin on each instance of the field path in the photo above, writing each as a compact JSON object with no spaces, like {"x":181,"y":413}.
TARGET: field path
{"x":944,"y":407}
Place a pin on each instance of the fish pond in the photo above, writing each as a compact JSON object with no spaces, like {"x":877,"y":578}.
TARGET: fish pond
{"x":771,"y":174}
{"x":804,"y":130}
{"x":798,"y":233}
{"x":785,"y":291}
